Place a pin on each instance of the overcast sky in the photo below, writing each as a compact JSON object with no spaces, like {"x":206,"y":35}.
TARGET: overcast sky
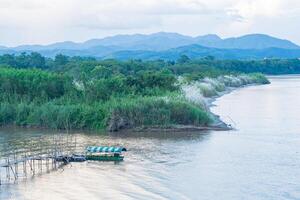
{"x":47,"y":21}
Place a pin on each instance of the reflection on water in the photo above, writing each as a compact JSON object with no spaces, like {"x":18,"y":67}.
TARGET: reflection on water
{"x":260,"y":160}
{"x":143,"y":175}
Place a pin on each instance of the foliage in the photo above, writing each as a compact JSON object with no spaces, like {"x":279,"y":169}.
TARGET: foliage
{"x":24,"y":60}
{"x":85,"y":93}
{"x":32,"y":84}
{"x":159,"y":111}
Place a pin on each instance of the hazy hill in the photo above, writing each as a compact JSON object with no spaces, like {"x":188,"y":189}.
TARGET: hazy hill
{"x":254,"y":41}
{"x":164,"y":41}
{"x":197,"y":51}
{"x":3,"y":47}
{"x":162,"y":45}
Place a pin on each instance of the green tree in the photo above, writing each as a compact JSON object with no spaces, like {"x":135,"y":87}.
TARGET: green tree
{"x":183,"y":59}
{"x":37,"y":60}
{"x":60,"y":59}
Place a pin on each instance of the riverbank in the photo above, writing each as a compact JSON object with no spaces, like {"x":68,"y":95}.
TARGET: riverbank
{"x":188,"y":109}
{"x":208,"y":90}
{"x":35,"y":98}
{"x":201,"y":94}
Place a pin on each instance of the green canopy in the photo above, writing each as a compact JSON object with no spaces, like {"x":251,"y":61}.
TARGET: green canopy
{"x":98,"y":149}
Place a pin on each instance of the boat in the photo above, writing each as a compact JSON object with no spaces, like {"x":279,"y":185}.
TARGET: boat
{"x":105,"y":153}
{"x":70,"y":158}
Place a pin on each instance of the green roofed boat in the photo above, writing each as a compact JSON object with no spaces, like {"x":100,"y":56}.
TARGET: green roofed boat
{"x":105,"y":153}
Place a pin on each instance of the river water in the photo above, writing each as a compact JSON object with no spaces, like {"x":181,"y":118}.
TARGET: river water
{"x":260,"y":160}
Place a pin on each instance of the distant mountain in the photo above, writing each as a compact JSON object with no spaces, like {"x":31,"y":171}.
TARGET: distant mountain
{"x":155,"y":42}
{"x":254,"y":41}
{"x":139,"y":45}
{"x":97,"y":51}
{"x":209,"y":40}
{"x":59,"y":45}
{"x":163,"y":41}
{"x":3,"y":47}
{"x":197,"y":51}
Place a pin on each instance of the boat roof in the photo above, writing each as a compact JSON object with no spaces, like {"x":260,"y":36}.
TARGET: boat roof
{"x":97,"y":149}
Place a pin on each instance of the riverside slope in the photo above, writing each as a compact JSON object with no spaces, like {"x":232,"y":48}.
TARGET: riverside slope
{"x":203,"y":93}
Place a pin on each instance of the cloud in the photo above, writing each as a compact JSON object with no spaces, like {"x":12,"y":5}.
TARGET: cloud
{"x":101,"y":13}
{"x":250,"y":9}
{"x":39,"y":21}
{"x":111,"y":22}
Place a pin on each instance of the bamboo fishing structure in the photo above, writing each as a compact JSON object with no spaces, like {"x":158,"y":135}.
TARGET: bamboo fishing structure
{"x":42,"y":156}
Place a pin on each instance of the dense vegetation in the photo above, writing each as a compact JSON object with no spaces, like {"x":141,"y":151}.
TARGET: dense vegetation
{"x":79,"y":93}
{"x":184,"y":64}
{"x":37,"y":98}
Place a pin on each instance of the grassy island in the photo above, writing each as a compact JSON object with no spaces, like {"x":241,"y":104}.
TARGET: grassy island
{"x":85,"y":93}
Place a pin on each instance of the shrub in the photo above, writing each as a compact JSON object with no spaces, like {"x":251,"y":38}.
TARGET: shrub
{"x":156,"y":111}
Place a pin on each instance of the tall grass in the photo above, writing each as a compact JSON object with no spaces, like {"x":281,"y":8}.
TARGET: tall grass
{"x":50,"y":115}
{"x":156,"y":111}
{"x":210,"y":87}
{"x":41,"y":99}
{"x":114,"y":114}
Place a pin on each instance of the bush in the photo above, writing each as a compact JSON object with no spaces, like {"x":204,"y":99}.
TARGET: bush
{"x":259,"y":78}
{"x":33,"y":84}
{"x":156,"y":111}
{"x":207,"y":89}
{"x":7,"y":113}
{"x":78,"y":116}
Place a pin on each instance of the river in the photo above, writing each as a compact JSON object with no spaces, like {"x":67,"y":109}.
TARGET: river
{"x":259,"y":160}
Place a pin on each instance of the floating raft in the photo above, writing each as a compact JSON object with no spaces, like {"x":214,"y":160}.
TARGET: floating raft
{"x":104,"y":153}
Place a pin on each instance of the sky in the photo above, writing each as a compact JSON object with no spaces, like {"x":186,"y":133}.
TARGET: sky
{"x":48,"y":21}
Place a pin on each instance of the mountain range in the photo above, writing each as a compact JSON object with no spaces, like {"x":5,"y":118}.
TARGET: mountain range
{"x":169,"y":46}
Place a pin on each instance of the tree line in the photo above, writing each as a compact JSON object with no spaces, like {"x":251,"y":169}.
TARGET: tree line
{"x":208,"y":64}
